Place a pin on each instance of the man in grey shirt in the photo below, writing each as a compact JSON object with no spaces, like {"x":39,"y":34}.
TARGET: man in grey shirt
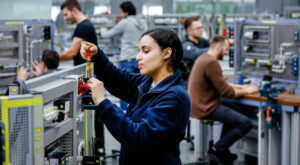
{"x":131,"y":27}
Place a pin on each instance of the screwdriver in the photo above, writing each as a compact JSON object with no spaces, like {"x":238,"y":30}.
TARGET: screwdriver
{"x":88,"y":52}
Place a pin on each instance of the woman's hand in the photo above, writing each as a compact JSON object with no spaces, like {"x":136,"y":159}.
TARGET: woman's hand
{"x":84,"y":46}
{"x":97,"y":88}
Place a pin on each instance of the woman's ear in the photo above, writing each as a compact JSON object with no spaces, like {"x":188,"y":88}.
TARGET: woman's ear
{"x":167,"y":53}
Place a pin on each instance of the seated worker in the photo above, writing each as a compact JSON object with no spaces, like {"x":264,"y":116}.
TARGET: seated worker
{"x":206,"y":86}
{"x":49,"y":63}
{"x":156,"y":119}
{"x":193,"y":44}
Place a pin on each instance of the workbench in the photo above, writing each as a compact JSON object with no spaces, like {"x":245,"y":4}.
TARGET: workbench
{"x":277,"y":147}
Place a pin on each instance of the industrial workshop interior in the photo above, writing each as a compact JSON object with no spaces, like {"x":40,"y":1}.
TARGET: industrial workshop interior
{"x":149,"y":82}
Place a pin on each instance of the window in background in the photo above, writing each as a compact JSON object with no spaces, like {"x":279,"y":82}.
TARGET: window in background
{"x":213,"y":7}
{"x":101,"y":9}
{"x":152,"y":10}
{"x":25,"y":10}
{"x":55,"y":10}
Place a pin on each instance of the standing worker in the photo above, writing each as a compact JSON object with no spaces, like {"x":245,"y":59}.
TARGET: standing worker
{"x":84,"y":31}
{"x":206,"y":86}
{"x":154,"y":124}
{"x":131,"y":27}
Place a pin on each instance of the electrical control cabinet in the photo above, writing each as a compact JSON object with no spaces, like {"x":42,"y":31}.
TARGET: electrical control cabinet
{"x":268,"y":48}
{"x":20,"y":43}
{"x":2,"y":142}
{"x":48,"y":125}
{"x":291,"y":12}
{"x":174,"y":22}
{"x":23,"y":135}
{"x":228,"y":21}
{"x":166,"y":21}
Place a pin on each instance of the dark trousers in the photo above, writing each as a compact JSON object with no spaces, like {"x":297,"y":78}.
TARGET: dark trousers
{"x":235,"y":126}
{"x":132,"y":66}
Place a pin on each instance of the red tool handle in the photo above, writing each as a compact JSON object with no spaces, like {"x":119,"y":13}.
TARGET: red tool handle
{"x":268,"y":113}
{"x":88,"y":52}
{"x":82,"y":87}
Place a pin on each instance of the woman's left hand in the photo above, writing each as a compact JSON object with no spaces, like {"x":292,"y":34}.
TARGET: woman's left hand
{"x":97,"y":88}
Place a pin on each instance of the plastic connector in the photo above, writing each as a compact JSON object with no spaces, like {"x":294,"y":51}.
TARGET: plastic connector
{"x":82,"y":87}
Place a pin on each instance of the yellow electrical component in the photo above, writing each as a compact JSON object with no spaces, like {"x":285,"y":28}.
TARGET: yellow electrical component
{"x":39,"y":150}
{"x":38,"y":130}
{"x":269,"y":63}
{"x":38,"y":138}
{"x":14,"y":23}
{"x":269,"y":22}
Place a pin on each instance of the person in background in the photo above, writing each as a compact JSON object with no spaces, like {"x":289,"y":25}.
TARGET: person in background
{"x":193,"y":43}
{"x":193,"y":46}
{"x":206,"y":86}
{"x":84,"y":31}
{"x":154,"y":124}
{"x":48,"y":64}
{"x":131,"y":27}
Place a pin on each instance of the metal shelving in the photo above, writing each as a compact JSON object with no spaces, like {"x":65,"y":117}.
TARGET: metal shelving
{"x":52,"y":134}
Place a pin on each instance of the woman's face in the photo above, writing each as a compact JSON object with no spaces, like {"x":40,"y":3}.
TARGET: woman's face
{"x":150,"y":58}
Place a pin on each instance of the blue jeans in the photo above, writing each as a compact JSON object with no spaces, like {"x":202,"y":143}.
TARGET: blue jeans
{"x":235,"y":126}
{"x":132,"y":66}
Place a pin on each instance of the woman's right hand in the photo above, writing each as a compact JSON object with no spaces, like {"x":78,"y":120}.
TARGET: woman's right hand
{"x":84,"y":47}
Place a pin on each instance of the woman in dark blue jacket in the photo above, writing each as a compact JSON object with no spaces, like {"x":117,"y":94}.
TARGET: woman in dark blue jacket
{"x":159,"y":106}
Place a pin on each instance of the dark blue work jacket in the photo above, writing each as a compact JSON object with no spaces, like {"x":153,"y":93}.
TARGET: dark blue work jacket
{"x":155,"y":122}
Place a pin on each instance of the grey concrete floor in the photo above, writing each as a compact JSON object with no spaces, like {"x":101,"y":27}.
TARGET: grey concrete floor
{"x":187,"y":155}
